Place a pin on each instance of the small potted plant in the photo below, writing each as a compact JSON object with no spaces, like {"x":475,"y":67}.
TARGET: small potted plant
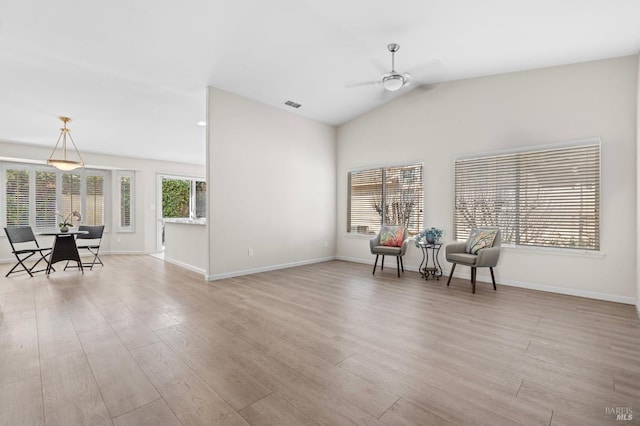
{"x":67,"y":221}
{"x":428,"y":236}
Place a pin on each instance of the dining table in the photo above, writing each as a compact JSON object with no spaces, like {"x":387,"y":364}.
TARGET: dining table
{"x":64,"y":247}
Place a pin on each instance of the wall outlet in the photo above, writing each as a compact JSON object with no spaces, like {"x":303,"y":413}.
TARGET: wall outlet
{"x":250,"y":253}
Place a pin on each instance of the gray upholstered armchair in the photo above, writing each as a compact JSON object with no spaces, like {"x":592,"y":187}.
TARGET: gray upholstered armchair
{"x":487,"y":255}
{"x":391,"y":241}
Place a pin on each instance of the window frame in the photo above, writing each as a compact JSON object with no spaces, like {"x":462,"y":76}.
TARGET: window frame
{"x":382,"y":168}
{"x":594,"y":143}
{"x":192,"y":180}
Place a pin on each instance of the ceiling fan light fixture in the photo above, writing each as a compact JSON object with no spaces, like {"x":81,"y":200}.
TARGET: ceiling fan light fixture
{"x":393,"y":82}
{"x":62,"y":162}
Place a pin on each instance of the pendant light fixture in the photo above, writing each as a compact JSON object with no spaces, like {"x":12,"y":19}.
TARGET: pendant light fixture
{"x":62,"y":162}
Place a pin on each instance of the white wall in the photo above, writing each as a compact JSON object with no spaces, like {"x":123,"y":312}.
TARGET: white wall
{"x":185,"y":244}
{"x":596,"y":99}
{"x":272,"y":181}
{"x":638,"y":191}
{"x":143,"y":240}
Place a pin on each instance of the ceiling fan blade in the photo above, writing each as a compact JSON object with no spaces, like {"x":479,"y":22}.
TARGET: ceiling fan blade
{"x":362,"y":84}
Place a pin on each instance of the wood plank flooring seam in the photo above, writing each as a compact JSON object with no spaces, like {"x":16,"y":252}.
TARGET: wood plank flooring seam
{"x":390,"y":407}
{"x":40,"y":363}
{"x":142,"y":406}
{"x":84,"y":353}
{"x":519,"y":387}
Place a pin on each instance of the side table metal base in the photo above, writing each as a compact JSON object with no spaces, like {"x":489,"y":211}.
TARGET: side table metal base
{"x":434,"y":270}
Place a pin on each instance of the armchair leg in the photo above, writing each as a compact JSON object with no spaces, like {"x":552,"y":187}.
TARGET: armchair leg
{"x":398,"y":265}
{"x":401,"y":264}
{"x":453,"y":268}
{"x":493,"y":278}
{"x":473,"y":280}
{"x":382,"y":266}
{"x":374,"y":265}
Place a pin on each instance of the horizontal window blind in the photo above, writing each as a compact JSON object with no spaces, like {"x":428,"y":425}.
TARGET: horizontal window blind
{"x":125,"y":201}
{"x":45,"y":200}
{"x":95,"y":200}
{"x":389,"y":195}
{"x":71,"y":196}
{"x":365,"y":198}
{"x":17,"y":192}
{"x":35,"y":195}
{"x":546,"y":198}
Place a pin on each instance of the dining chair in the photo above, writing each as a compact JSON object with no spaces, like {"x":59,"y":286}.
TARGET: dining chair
{"x":24,"y":246}
{"x":92,"y":245}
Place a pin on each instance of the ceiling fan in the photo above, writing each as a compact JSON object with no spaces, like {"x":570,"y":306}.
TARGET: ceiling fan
{"x":393,"y":80}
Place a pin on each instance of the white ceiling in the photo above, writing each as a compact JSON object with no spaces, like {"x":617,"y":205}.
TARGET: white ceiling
{"x":132,"y":74}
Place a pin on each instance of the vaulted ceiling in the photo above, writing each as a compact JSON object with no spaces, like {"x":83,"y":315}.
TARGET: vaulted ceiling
{"x":133,"y":74}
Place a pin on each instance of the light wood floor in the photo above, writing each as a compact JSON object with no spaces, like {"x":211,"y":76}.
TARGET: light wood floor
{"x":141,"y":342}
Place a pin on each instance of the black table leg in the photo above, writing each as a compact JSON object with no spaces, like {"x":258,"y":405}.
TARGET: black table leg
{"x":64,"y":248}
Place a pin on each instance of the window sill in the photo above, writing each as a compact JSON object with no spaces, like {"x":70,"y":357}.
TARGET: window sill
{"x":361,"y":236}
{"x":555,"y":251}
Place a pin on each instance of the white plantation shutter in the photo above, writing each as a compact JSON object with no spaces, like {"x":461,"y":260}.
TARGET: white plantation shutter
{"x":71,"y":195}
{"x":125,"y":200}
{"x":45,"y":199}
{"x":34,"y":194}
{"x":94,"y":212}
{"x":389,"y":195}
{"x":545,"y":197}
{"x":17,"y":192}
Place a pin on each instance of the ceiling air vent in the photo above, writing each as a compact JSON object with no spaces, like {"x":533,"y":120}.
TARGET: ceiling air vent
{"x":293,"y":104}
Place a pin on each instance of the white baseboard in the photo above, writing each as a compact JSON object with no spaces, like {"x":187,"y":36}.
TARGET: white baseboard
{"x":638,"y":308}
{"x":186,"y":266}
{"x":388,"y":264}
{"x":107,"y":252}
{"x":571,"y":292}
{"x":523,"y":284}
{"x":222,"y":276}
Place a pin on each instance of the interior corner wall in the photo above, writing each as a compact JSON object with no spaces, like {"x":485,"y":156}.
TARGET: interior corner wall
{"x":502,"y":112}
{"x":272,"y":181}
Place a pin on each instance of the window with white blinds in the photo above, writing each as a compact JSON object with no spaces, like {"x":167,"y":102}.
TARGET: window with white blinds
{"x":70,"y":193}
{"x":46,"y":198}
{"x":17,"y":196}
{"x":544,"y":197}
{"x":125,"y":201}
{"x":34,"y":194}
{"x":386,"y":195}
{"x":94,"y":212}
